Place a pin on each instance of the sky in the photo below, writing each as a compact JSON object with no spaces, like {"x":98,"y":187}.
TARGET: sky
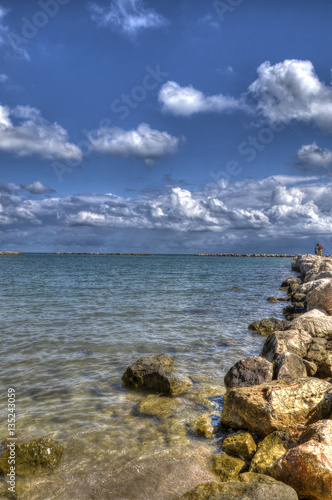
{"x":165,"y":126}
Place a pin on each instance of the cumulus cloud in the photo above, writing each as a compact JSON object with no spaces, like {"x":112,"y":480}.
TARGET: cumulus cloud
{"x":291,"y":90}
{"x":128,"y":16}
{"x":312,"y":158}
{"x":37,"y":187}
{"x":33,"y":135}
{"x":248,"y":215}
{"x":143,"y":143}
{"x":187,"y":101}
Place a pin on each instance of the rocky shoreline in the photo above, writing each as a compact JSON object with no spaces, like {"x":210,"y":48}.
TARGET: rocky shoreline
{"x":244,"y":255}
{"x":275,"y":428}
{"x":276,"y":421}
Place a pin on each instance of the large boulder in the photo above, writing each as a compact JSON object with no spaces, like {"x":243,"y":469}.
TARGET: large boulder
{"x":307,"y":287}
{"x":308,"y":466}
{"x":253,"y":370}
{"x":240,"y":490}
{"x":267,"y":325}
{"x":293,"y":341}
{"x":276,"y":405}
{"x":321,"y":298}
{"x":35,"y":457}
{"x":286,"y":283}
{"x":156,"y":374}
{"x":315,"y":322}
{"x":289,"y":365}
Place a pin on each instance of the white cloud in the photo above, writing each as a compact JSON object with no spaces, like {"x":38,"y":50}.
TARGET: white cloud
{"x":186,"y":101}
{"x":3,"y":78}
{"x":143,"y":143}
{"x":313,"y":158}
{"x":34,"y":135}
{"x":128,"y":16}
{"x":37,"y":187}
{"x":291,"y":90}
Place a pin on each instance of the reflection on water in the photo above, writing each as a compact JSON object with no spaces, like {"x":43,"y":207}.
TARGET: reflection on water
{"x":70,"y":325}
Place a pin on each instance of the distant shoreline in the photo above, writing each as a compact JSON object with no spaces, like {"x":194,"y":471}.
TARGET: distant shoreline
{"x":151,"y":254}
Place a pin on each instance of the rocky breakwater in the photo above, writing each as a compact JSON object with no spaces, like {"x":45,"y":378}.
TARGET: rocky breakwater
{"x":277,"y":410}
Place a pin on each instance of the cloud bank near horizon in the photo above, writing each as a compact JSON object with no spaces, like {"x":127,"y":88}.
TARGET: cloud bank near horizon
{"x":248,"y":215}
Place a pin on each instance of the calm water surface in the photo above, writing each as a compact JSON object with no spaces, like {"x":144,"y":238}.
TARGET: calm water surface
{"x":70,"y":325}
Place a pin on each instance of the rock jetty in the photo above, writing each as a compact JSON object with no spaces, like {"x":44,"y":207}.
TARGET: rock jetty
{"x":244,"y":255}
{"x":277,"y":411}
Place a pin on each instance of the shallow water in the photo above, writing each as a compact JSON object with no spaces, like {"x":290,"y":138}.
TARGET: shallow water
{"x":70,"y":325}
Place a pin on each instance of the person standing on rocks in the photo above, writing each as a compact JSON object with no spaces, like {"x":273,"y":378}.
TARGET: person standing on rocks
{"x":316,"y":249}
{"x":320,"y":249}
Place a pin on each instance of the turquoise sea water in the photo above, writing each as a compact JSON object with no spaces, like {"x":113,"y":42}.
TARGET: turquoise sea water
{"x":70,"y":325}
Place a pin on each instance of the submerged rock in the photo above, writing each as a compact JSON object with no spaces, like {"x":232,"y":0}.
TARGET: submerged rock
{"x":35,"y":457}
{"x":156,"y":374}
{"x":275,"y":405}
{"x":267,"y":325}
{"x":203,"y":427}
{"x":240,"y":445}
{"x":227,"y":467}
{"x":253,"y":370}
{"x":239,"y":490}
{"x":159,"y":406}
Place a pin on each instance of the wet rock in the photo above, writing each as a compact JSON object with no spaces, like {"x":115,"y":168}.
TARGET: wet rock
{"x":159,"y":406}
{"x":226,"y":467}
{"x":203,"y":427}
{"x":267,"y":325}
{"x":35,"y":457}
{"x":294,"y":287}
{"x":298,"y":297}
{"x":307,"y":467}
{"x":253,"y":477}
{"x":275,"y":405}
{"x":253,"y":370}
{"x":156,"y":374}
{"x":292,"y":312}
{"x":294,"y":341}
{"x":270,"y":450}
{"x":286,"y":283}
{"x":240,"y":445}
{"x":239,"y":490}
{"x":289,"y":365}
{"x":272,"y":299}
{"x":321,"y":298}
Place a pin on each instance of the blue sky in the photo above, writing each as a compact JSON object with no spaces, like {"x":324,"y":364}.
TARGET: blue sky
{"x":165,"y":126}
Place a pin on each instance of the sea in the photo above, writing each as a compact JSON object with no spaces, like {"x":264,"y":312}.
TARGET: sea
{"x":71,"y":324}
